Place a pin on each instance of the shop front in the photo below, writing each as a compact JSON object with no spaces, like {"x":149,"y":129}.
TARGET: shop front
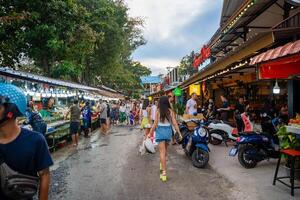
{"x":281,"y":68}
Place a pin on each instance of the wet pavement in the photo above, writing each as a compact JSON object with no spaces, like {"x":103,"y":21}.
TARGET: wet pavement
{"x":110,"y":167}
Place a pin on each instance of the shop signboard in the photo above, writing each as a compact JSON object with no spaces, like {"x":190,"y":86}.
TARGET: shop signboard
{"x":205,"y":53}
{"x":195,"y":88}
{"x":204,"y":65}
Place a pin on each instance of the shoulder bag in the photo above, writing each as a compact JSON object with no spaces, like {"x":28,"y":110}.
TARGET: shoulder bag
{"x":15,"y":185}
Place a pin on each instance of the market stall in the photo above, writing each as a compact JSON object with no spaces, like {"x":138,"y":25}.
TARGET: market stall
{"x":52,"y":98}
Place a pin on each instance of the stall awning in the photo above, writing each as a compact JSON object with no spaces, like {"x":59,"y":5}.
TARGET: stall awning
{"x":281,"y":68}
{"x":288,"y":49}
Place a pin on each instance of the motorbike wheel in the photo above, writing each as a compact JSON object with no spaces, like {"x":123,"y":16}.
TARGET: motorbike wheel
{"x":213,"y":140}
{"x":247,"y":163}
{"x":200,"y":158}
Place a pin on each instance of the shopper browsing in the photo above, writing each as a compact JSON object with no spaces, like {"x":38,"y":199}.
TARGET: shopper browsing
{"x":74,"y":112}
{"x":35,"y":120}
{"x":103,"y":118}
{"x":22,"y":150}
{"x":87,"y":119}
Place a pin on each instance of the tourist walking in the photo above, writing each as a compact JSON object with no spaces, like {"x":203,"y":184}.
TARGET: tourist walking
{"x":23,"y":151}
{"x":153,"y":111}
{"x":87,"y":119}
{"x":103,"y":118}
{"x":74,"y":112}
{"x":108,"y":115}
{"x":35,"y":120}
{"x":128,"y":110}
{"x":164,"y":119}
{"x":115,"y":113}
{"x":123,"y":116}
{"x":146,"y":117}
{"x":137,"y":113}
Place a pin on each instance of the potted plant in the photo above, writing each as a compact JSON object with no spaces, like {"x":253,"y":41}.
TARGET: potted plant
{"x":178,"y":109}
{"x":289,"y":141}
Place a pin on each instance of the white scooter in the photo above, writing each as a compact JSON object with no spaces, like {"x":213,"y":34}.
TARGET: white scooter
{"x":221,"y":131}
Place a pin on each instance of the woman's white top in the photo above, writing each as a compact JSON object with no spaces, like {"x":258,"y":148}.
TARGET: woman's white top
{"x":165,"y":123}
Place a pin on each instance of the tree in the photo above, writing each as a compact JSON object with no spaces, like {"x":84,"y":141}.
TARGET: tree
{"x":186,"y":65}
{"x":87,"y":41}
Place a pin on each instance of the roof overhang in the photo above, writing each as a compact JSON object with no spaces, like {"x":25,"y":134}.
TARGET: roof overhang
{"x":245,"y":51}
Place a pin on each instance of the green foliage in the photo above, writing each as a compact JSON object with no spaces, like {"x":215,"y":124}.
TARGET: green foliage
{"x":185,"y":66}
{"x":287,"y":140}
{"x":179,"y":108}
{"x":88,"y":41}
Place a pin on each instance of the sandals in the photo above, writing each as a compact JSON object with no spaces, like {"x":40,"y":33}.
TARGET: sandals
{"x":163,"y":174}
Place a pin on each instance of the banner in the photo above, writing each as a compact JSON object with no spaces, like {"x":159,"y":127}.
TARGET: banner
{"x":195,"y":88}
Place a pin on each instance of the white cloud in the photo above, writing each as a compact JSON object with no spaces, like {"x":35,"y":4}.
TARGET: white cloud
{"x":159,"y":65}
{"x":166,"y":29}
{"x":165,"y":18}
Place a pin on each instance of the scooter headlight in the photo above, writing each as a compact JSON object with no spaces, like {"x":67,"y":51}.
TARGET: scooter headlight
{"x":201,"y":132}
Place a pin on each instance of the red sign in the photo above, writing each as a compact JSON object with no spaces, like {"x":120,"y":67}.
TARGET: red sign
{"x":204,"y":54}
{"x":280,"y":68}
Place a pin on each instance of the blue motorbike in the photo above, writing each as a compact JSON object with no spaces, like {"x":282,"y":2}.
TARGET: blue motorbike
{"x":255,"y":147}
{"x":195,"y":143}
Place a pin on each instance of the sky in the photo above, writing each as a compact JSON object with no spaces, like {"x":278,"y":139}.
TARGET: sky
{"x":173,"y":28}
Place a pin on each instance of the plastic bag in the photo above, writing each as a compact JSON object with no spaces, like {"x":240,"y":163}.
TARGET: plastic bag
{"x":149,"y":145}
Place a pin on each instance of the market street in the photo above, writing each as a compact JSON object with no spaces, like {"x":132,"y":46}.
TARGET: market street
{"x":111,"y":168}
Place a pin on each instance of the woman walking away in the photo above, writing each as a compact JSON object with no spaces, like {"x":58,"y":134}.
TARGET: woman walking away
{"x":164,"y":119}
{"x":146,"y":117}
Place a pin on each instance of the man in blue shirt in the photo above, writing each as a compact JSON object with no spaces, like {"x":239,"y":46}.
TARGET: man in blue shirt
{"x":22,"y":150}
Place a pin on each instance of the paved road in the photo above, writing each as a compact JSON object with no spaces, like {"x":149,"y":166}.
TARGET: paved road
{"x":111,"y":168}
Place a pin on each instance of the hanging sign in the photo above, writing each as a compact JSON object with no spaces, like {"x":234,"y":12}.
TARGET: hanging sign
{"x":205,"y":53}
{"x":194,"y":88}
{"x":177,"y":92}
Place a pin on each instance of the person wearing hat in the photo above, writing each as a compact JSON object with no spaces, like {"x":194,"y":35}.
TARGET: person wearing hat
{"x":22,"y":150}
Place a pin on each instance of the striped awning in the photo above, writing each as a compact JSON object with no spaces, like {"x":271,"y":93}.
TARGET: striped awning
{"x":288,"y":49}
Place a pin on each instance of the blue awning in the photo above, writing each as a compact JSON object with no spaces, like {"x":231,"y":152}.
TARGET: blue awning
{"x":150,"y":79}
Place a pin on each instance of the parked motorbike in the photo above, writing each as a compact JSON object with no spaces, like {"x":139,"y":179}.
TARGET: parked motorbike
{"x":255,"y":147}
{"x":221,"y":131}
{"x":195,"y":143}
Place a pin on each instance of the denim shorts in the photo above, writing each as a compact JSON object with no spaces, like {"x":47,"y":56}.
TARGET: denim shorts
{"x":163,"y":134}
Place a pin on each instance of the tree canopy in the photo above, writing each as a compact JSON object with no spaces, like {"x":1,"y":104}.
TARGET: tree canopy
{"x":87,"y":41}
{"x":186,"y":65}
